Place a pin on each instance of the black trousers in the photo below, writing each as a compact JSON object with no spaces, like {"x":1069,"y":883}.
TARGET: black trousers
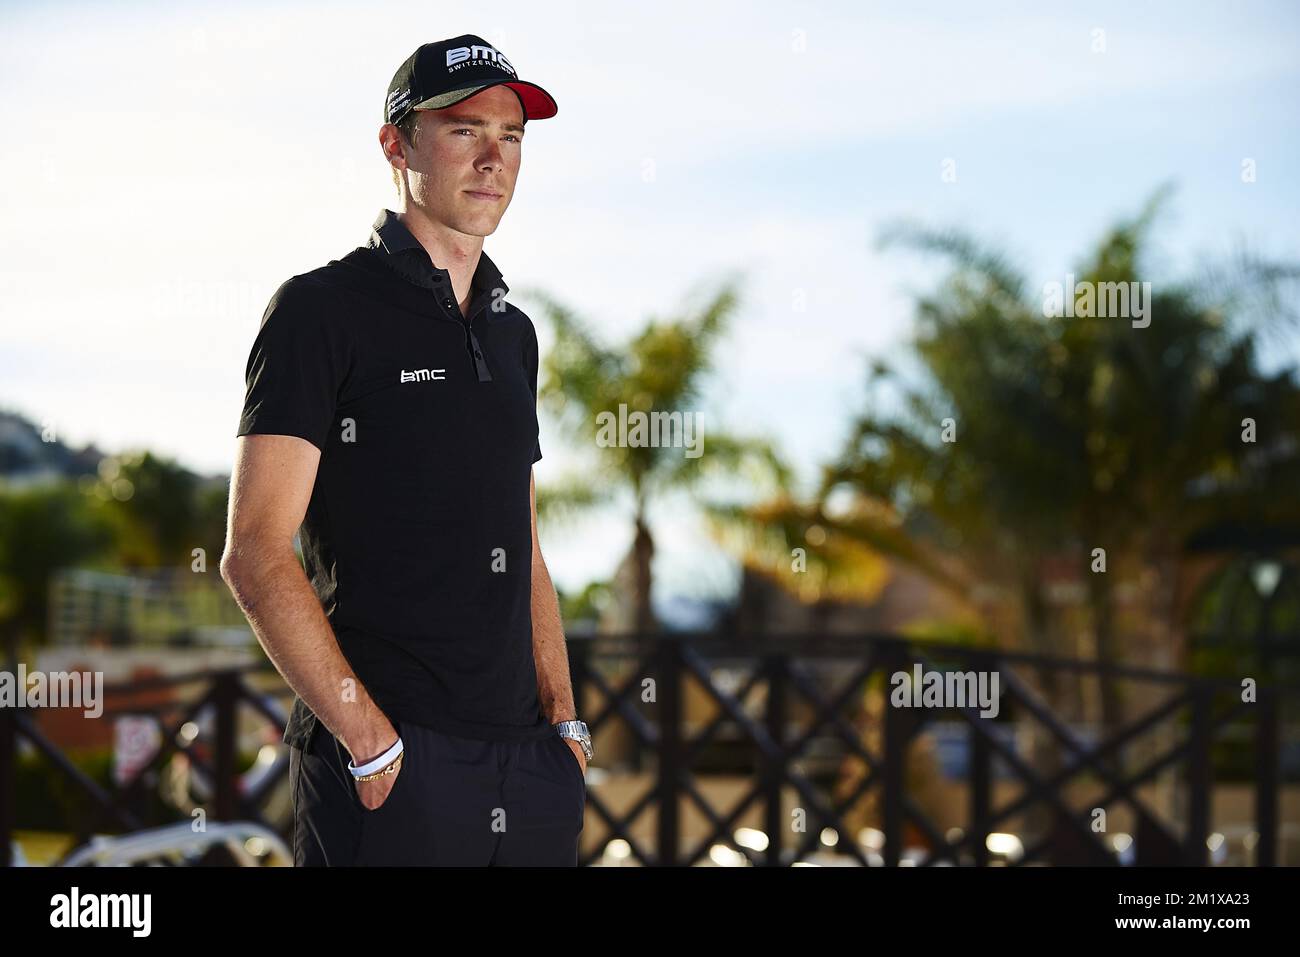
{"x":457,"y":802}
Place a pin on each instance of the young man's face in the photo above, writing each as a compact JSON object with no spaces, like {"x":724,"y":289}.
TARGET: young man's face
{"x":464,"y":153}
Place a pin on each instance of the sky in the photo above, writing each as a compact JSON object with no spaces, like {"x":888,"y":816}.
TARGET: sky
{"x":167,"y":166}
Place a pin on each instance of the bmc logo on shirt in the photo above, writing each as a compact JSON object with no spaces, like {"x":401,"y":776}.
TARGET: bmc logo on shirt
{"x":422,"y":375}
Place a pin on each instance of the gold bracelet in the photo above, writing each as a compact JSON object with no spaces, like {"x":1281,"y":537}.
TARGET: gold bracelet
{"x":390,"y":768}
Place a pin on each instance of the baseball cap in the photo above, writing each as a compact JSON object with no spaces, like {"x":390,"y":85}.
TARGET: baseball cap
{"x":441,"y":74}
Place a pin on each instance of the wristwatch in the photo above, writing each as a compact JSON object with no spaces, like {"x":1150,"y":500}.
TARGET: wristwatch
{"x":577,"y":730}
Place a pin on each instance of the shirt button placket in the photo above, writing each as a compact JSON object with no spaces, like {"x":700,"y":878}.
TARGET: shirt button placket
{"x":475,"y":349}
{"x":479,"y":365}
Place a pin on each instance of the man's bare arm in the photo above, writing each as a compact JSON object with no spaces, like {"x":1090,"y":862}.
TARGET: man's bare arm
{"x":549,"y":655}
{"x":269,"y":492}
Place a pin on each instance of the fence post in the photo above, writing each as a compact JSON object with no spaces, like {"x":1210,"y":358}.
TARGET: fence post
{"x":9,"y":758}
{"x":1266,"y":780}
{"x":670,"y":747}
{"x":774,"y":765}
{"x":895,"y":756}
{"x":225,"y":702}
{"x":1199,"y":780}
{"x":8,"y":782}
{"x":981,"y":781}
{"x":579,"y":651}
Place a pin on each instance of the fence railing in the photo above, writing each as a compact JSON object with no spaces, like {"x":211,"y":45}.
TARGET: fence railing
{"x":772,"y":701}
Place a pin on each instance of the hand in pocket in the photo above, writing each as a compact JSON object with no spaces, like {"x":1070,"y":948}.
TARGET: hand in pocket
{"x":579,"y":755}
{"x":374,"y":793}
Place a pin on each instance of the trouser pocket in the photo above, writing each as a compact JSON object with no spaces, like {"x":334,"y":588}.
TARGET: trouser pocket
{"x":573,"y":761}
{"x":380,"y":829}
{"x":324,"y":808}
{"x":579,"y":779}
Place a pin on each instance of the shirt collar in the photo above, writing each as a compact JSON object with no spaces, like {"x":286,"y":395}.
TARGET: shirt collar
{"x":410,"y":260}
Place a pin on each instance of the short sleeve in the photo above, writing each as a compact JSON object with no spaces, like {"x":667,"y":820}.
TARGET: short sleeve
{"x":296,"y":367}
{"x":530,"y":368}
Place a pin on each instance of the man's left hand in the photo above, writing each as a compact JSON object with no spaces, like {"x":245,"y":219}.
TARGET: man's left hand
{"x":576,"y":748}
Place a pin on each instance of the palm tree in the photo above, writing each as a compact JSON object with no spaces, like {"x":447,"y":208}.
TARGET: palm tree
{"x":665,"y":367}
{"x":1071,"y":434}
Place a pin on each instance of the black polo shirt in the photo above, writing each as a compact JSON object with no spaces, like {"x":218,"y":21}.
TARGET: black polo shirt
{"x":418,"y":535}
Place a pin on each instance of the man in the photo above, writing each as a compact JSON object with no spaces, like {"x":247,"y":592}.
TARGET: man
{"x":390,"y":419}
